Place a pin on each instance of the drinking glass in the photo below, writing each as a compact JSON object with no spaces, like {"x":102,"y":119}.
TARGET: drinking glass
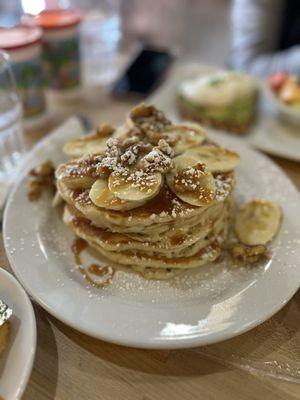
{"x":12,"y":146}
{"x":100,"y":37}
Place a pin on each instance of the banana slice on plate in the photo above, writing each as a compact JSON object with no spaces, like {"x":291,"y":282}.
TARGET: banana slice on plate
{"x":184,"y":136}
{"x":257,"y":222}
{"x":90,"y":144}
{"x":102,"y":197}
{"x":135,"y":185}
{"x":217,"y":159}
{"x":191,"y":181}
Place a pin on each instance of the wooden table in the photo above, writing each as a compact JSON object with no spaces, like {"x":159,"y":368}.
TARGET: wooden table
{"x":70,"y":365}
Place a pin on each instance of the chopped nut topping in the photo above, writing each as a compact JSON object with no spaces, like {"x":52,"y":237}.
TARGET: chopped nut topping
{"x":34,"y":189}
{"x":113,"y":148}
{"x":156,"y":161}
{"x":131,"y":155}
{"x":148,"y":119}
{"x":45,"y":169}
{"x":131,"y":140}
{"x":164,"y":146}
{"x":129,"y":151}
{"x":250,"y":254}
{"x":41,"y":177}
{"x":104,"y":131}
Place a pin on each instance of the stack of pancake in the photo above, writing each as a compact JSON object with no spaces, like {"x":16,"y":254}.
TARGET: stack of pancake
{"x":150,"y":195}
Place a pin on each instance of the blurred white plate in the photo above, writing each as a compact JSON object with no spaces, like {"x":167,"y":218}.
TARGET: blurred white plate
{"x":17,"y":361}
{"x":270,"y":133}
{"x":207,"y":305}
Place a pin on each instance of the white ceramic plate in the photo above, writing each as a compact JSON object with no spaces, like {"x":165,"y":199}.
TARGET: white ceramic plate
{"x":270,"y":133}
{"x":17,"y":360}
{"x":204,"y":306}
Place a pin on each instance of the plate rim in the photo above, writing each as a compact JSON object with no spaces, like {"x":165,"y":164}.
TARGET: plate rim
{"x":32,"y":321}
{"x":161,"y":343}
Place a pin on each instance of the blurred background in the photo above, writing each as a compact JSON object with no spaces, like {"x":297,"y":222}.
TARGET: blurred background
{"x":68,"y":51}
{"x":196,"y":29}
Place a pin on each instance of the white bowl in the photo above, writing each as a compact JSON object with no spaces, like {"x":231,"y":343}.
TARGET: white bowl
{"x":283,"y":111}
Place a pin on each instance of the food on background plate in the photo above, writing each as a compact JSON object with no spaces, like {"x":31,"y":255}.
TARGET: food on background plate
{"x":5,"y":314}
{"x":157,"y":200}
{"x":222,"y":99}
{"x":286,"y":88}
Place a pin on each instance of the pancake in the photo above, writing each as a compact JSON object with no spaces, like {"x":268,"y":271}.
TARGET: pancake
{"x":164,"y":209}
{"x":145,"y":206}
{"x":181,"y":241}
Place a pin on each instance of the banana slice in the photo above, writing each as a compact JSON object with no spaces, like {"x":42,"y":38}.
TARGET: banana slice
{"x":184,"y":136}
{"x":191,"y":181}
{"x":257,"y":222}
{"x":102,"y":197}
{"x":217,"y":159}
{"x":80,"y":173}
{"x":74,"y":180}
{"x":90,"y":144}
{"x":136,"y":185}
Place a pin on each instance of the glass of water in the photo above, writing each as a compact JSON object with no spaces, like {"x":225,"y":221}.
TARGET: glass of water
{"x":100,"y":36}
{"x":12,"y":145}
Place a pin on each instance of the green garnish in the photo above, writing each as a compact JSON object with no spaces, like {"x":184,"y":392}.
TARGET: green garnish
{"x":216,"y":81}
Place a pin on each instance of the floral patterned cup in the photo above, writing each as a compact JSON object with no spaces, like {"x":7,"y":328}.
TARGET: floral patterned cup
{"x":60,"y":45}
{"x":23,"y":44}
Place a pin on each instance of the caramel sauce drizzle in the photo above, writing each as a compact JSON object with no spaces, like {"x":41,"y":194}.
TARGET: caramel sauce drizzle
{"x":77,"y":247}
{"x":177,"y":239}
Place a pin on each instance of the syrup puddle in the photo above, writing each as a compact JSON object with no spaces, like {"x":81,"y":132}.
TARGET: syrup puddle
{"x":96,"y":275}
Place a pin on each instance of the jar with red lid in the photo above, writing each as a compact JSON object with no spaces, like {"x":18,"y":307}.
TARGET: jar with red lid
{"x":23,"y":44}
{"x":60,"y":46}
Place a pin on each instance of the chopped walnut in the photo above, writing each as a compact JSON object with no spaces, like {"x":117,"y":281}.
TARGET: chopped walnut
{"x":46,"y":168}
{"x":34,"y":189}
{"x":131,"y":140}
{"x":250,"y":254}
{"x":154,"y":137}
{"x":149,"y":119}
{"x":111,"y":158}
{"x":164,"y":146}
{"x":131,"y":155}
{"x":170,"y":139}
{"x":104,"y":131}
{"x":156,"y":161}
{"x":113,"y":148}
{"x":41,"y":177}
